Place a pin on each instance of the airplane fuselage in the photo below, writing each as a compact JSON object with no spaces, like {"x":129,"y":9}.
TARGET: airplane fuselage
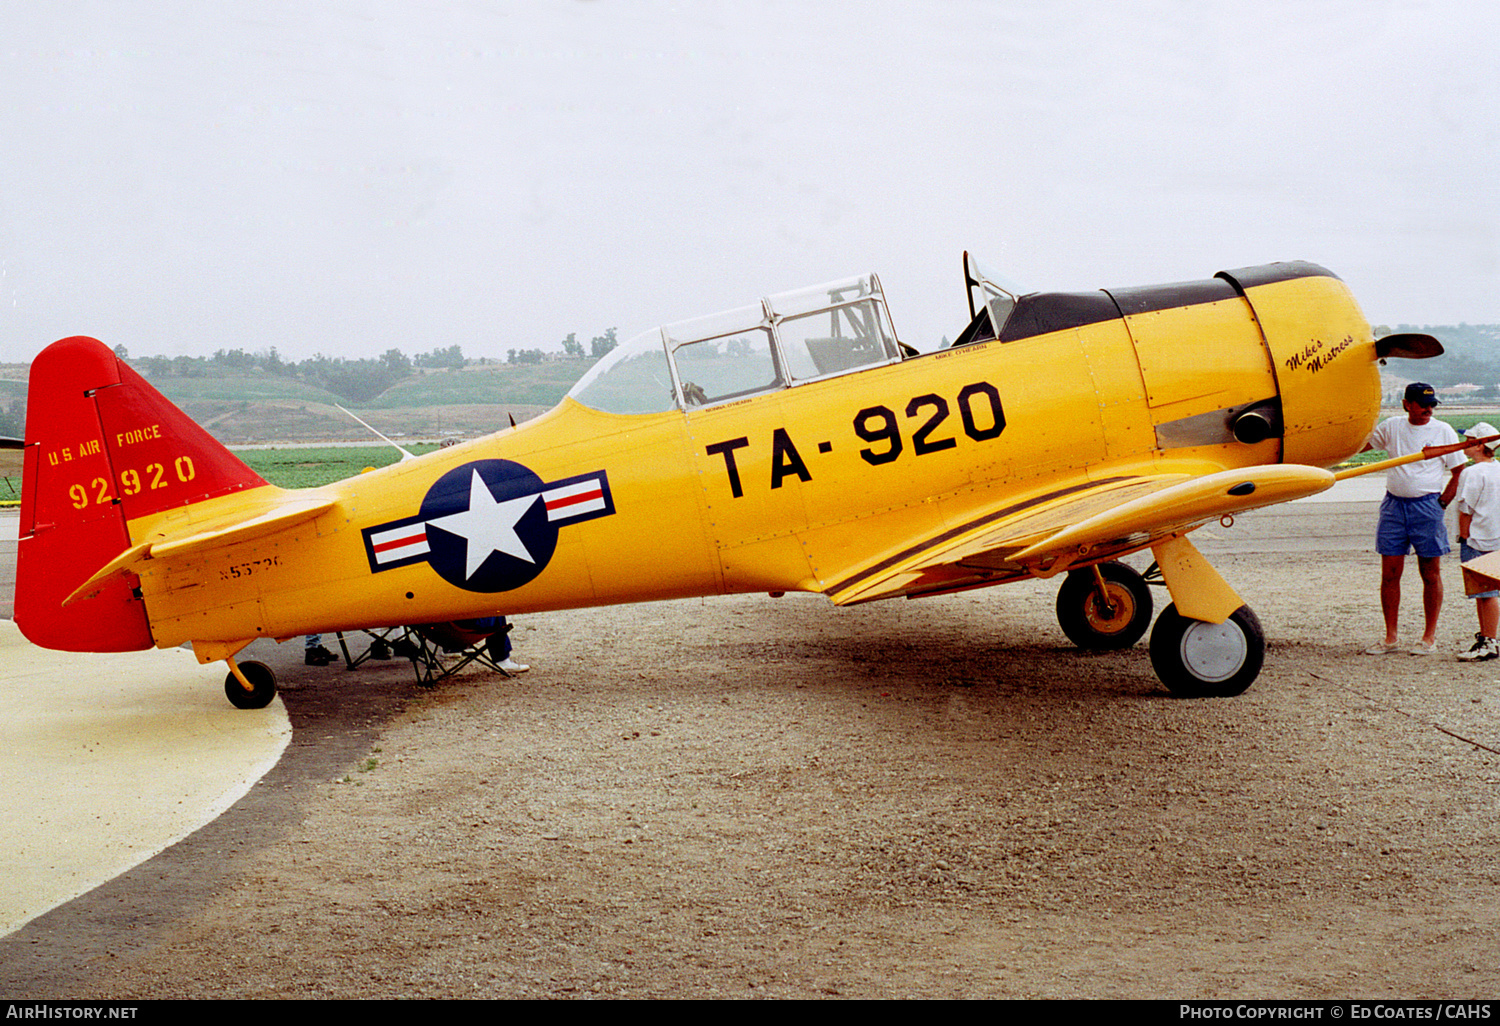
{"x":814,"y":487}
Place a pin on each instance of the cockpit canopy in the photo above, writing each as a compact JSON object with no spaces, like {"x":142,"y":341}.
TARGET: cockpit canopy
{"x":779,"y":342}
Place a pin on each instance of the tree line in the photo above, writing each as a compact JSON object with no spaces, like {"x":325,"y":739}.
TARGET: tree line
{"x":355,"y":380}
{"x":571,"y":348}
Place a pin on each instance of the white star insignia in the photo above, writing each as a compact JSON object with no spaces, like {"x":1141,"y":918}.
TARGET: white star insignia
{"x":487,"y":526}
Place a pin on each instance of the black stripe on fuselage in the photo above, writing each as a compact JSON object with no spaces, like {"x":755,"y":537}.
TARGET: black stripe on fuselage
{"x":954,"y":532}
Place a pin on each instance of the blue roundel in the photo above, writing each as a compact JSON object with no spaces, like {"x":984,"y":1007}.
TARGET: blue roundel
{"x":487,"y":526}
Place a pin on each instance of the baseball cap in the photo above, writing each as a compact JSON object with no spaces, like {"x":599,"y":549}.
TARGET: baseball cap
{"x":1484,"y":430}
{"x":1421,"y":393}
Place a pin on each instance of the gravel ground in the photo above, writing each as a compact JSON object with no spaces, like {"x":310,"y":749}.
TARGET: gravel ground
{"x":758,"y":797}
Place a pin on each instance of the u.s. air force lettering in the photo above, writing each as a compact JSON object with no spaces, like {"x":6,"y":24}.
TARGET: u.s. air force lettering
{"x":488,"y":526}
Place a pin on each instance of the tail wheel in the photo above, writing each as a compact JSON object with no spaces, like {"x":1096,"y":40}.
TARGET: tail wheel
{"x":1207,"y":660}
{"x":1117,"y":619}
{"x":262,"y":681}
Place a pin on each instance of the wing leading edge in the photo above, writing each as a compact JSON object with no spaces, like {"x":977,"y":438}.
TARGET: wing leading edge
{"x":1047,"y":534}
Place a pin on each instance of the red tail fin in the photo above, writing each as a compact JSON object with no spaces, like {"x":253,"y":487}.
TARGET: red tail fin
{"x":102,"y":448}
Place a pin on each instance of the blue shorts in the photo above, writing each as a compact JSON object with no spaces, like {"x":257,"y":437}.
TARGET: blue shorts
{"x":1467,"y":552}
{"x":1407,"y":524}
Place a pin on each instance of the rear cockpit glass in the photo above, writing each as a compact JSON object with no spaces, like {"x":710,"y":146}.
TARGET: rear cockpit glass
{"x":833,"y":328}
{"x":783,"y":340}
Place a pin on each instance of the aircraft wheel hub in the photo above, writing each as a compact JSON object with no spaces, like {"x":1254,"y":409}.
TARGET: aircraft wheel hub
{"x":1114,"y":617}
{"x":1214,"y":652}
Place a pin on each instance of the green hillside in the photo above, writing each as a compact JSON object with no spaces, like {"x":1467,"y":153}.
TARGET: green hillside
{"x":239,"y":386}
{"x":542,"y":384}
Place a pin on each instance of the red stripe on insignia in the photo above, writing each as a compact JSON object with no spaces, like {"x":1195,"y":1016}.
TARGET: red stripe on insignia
{"x":573,"y":500}
{"x":401,"y":542}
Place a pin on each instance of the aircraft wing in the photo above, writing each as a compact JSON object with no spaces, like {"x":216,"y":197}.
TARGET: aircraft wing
{"x":1046,"y":534}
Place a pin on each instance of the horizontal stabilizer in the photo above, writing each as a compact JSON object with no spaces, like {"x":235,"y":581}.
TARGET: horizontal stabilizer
{"x":286,"y":514}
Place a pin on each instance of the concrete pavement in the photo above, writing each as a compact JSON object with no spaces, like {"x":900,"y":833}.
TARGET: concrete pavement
{"x":106,"y":760}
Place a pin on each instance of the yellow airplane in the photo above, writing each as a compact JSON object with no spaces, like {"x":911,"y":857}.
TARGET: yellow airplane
{"x":789,"y":445}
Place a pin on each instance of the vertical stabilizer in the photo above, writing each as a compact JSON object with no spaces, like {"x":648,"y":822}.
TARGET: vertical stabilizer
{"x":102,"y":448}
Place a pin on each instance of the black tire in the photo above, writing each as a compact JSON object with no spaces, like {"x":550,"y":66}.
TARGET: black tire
{"x":1088,"y":623}
{"x":1207,"y":660}
{"x":260,"y":677}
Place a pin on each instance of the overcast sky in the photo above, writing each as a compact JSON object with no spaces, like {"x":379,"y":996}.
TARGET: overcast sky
{"x":349,"y":177}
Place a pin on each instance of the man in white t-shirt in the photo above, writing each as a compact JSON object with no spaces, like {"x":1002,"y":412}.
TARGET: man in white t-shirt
{"x":1411,"y":515}
{"x":1479,"y":533}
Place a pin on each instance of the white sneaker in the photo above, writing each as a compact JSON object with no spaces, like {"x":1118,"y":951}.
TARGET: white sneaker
{"x":1484,"y":648}
{"x":509,"y":665}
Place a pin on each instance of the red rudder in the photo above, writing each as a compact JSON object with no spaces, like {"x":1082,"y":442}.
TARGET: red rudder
{"x":102,"y":448}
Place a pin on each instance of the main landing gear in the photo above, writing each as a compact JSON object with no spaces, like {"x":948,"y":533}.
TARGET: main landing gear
{"x":1207,"y":660}
{"x":1107,"y":607}
{"x":261,"y":681}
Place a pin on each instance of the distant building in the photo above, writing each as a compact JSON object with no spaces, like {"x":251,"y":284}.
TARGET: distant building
{"x":1458,"y":393}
